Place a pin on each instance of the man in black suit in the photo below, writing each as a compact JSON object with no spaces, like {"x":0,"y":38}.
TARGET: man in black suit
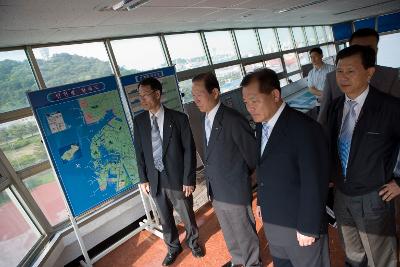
{"x":385,"y":79}
{"x":292,"y":174}
{"x":364,"y":138}
{"x":166,"y":159}
{"x":229,"y":160}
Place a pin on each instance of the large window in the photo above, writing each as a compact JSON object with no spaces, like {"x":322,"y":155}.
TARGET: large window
{"x":329,"y":33}
{"x":299,"y":38}
{"x":17,"y":233}
{"x":285,"y":39}
{"x":21,"y":143}
{"x":247,"y":43}
{"x":388,"y":50}
{"x":45,"y":190}
{"x":321,"y":34}
{"x":294,"y":78}
{"x":268,"y":41}
{"x":291,"y":62}
{"x":72,"y":63}
{"x":304,"y":58}
{"x":138,"y":54}
{"x":274,"y":64}
{"x":16,"y":78}
{"x":229,"y":78}
{"x":186,"y":51}
{"x":220,"y":45}
{"x":252,"y":67}
{"x":311,"y":37}
{"x":186,"y":89}
{"x":332,"y":50}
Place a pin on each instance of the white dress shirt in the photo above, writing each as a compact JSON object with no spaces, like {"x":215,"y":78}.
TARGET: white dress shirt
{"x":360,"y":102}
{"x":160,"y":120}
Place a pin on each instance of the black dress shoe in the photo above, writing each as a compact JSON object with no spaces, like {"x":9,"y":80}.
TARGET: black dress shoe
{"x":171,"y":257}
{"x":198,"y":252}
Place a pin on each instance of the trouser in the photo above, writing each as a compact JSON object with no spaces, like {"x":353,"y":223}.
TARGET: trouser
{"x":238,"y":227}
{"x":367,"y":229}
{"x":166,"y":201}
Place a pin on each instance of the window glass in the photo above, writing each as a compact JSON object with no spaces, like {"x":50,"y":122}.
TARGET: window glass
{"x":229,"y":78}
{"x":329,"y":33}
{"x":299,"y":38}
{"x":283,"y":82}
{"x":66,"y":64}
{"x":304,"y":58}
{"x":247,"y":43}
{"x":291,"y":62}
{"x":253,"y":67}
{"x":295,"y":77}
{"x":220,"y":45}
{"x":332,"y":50}
{"x":17,"y":233}
{"x":311,"y":37}
{"x":268,"y":41}
{"x":321,"y":34}
{"x":46,"y":192}
{"x":388,"y":50}
{"x":16,"y":78}
{"x":285,"y":39}
{"x":186,"y":51}
{"x":186,"y":89}
{"x":21,"y":143}
{"x":138,"y":54}
{"x":274,"y":64}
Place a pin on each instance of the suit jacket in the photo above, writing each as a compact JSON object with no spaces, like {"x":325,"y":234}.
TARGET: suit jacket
{"x":374,"y":145}
{"x":230,"y":157}
{"x":179,"y":152}
{"x":292,"y":178}
{"x":385,"y":79}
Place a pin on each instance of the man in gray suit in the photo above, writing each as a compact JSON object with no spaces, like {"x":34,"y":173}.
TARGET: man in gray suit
{"x":385,"y":79}
{"x":230,"y":158}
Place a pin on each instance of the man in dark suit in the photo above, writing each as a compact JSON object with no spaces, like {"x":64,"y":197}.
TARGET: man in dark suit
{"x":166,"y":159}
{"x":292,"y":174}
{"x":229,"y":160}
{"x":364,"y":139}
{"x":385,"y":79}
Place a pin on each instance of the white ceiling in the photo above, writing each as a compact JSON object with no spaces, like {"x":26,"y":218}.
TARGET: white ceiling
{"x":49,"y":21}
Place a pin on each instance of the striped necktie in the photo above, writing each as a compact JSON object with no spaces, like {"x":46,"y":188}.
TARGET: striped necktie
{"x":157,"y":145}
{"x":346,"y":134}
{"x":264,"y":136}
{"x":207,"y":128}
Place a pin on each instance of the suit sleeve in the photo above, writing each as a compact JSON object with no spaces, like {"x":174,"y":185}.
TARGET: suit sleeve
{"x":313,"y":163}
{"x":245,"y":140}
{"x":139,"y":154}
{"x":326,"y":100}
{"x":395,"y":86}
{"x":189,"y":150}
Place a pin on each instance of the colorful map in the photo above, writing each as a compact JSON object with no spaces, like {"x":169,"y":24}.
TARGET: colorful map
{"x":92,"y":148}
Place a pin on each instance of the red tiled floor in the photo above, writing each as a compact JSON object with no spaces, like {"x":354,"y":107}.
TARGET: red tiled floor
{"x":148,"y":250}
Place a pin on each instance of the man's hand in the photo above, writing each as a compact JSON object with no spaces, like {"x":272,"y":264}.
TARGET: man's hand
{"x":305,"y":240}
{"x":258,"y":210}
{"x":188,"y":190}
{"x":145,"y":188}
{"x":389,"y":191}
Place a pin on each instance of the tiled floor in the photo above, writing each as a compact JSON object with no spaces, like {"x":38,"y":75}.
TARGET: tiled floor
{"x":148,"y":250}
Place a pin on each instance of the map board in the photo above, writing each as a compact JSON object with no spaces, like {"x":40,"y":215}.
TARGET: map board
{"x":88,"y":139}
{"x":170,"y":95}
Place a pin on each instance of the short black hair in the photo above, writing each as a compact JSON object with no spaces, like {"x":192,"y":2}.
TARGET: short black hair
{"x":366,"y":53}
{"x":209,"y":79}
{"x":266,"y":78}
{"x":364,"y":32}
{"x":316,"y":50}
{"x":154,"y":84}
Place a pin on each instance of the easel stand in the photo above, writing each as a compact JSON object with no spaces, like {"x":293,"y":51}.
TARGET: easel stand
{"x":150,"y":224}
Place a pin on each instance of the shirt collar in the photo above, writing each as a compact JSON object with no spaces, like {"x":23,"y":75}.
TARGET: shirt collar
{"x":275,"y":118}
{"x":211,"y":114}
{"x":361,"y":98}
{"x":159,"y":112}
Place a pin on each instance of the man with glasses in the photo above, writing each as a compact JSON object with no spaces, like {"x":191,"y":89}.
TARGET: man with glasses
{"x":166,"y":159}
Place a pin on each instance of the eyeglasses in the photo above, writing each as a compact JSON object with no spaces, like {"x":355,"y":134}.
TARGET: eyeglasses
{"x":146,"y":95}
